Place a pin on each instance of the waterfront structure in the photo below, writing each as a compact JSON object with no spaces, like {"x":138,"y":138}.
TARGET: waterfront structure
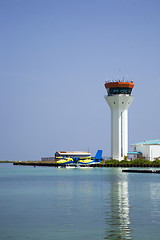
{"x":65,"y":154}
{"x":47,"y":159}
{"x":147,"y":149}
{"x":119,"y":99}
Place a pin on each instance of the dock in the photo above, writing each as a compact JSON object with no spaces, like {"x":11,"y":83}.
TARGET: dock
{"x":141,"y":171}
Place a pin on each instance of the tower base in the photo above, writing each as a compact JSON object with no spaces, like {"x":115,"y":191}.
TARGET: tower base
{"x":119,"y":105}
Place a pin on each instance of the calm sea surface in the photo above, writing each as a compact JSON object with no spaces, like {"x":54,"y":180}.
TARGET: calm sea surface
{"x":47,"y":203}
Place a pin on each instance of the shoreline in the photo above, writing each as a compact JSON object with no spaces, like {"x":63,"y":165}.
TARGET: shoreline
{"x":100,"y":165}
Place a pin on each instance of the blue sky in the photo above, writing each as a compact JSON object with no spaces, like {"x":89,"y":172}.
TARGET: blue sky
{"x":55,"y":57}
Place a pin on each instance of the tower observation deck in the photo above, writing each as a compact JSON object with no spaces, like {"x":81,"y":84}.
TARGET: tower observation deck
{"x":119,"y":99}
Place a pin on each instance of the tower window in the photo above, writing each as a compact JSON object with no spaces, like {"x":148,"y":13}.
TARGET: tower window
{"x":119,"y":91}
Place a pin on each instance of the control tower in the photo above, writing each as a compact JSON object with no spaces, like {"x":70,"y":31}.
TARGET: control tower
{"x":119,"y":99}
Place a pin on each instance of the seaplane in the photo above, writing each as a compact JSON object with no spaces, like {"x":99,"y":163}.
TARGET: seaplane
{"x":77,"y":161}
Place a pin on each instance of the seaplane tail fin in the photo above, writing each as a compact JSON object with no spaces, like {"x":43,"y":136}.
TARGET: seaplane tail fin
{"x":98,"y":154}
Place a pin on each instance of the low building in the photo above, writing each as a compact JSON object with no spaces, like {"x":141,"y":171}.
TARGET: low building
{"x":147,"y":149}
{"x":47,"y":158}
{"x":62,"y":154}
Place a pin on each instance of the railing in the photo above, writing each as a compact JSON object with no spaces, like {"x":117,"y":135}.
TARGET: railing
{"x":115,"y":81}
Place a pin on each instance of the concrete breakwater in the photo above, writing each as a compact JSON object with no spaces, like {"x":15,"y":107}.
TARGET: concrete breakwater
{"x":141,"y":171}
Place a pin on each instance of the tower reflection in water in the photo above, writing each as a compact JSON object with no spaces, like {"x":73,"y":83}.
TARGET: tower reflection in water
{"x":118,"y":209}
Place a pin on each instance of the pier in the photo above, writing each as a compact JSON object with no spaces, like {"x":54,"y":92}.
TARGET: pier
{"x":141,"y":171}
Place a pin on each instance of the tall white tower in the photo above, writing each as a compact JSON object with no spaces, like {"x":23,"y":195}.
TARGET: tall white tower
{"x":119,"y":99}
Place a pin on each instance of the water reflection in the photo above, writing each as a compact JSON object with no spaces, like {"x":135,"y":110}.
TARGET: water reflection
{"x":155,"y":197}
{"x":118,"y":209}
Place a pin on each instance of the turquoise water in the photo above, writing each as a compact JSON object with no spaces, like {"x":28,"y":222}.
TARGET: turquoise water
{"x":47,"y":203}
